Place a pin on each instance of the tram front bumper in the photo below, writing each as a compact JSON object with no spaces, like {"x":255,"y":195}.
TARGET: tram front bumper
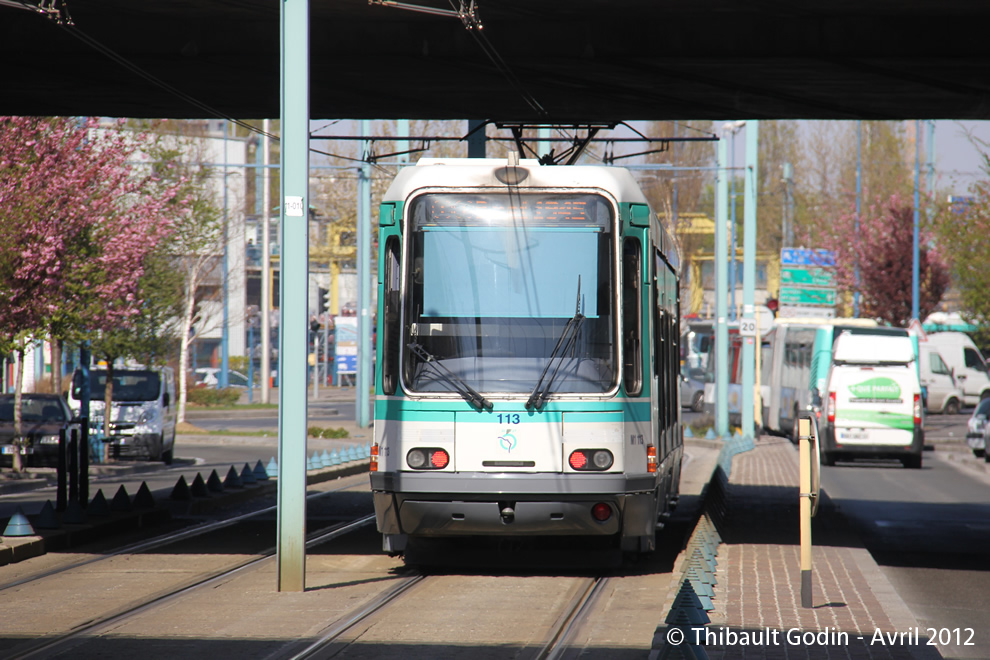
{"x":436,"y":505}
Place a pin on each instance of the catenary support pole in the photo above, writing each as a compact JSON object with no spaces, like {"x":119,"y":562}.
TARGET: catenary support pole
{"x":294,"y":326}
{"x":365,"y":377}
{"x":266,"y":268}
{"x":751,"y":343}
{"x":721,"y":302}
{"x":223,"y":379}
{"x":476,"y":143}
{"x":915,"y":252}
{"x":859,"y":207}
{"x":733,"y":242}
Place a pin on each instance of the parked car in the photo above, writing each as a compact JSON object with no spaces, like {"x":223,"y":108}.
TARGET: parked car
{"x":943,"y":396}
{"x":966,"y":362}
{"x":142,"y":414}
{"x":42,"y":417}
{"x":976,"y":428}
{"x":210,"y":377}
{"x":693,"y":390}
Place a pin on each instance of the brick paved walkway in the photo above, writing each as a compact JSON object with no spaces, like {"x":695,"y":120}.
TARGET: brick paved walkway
{"x":759,"y":584}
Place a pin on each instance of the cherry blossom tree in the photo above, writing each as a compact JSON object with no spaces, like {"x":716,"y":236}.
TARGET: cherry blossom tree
{"x":80,"y":218}
{"x":882,"y":248}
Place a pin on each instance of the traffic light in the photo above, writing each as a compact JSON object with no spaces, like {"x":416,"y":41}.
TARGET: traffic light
{"x":324,"y":300}
{"x":773,"y":305}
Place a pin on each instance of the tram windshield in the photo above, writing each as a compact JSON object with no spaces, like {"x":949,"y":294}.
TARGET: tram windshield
{"x":493,"y":283}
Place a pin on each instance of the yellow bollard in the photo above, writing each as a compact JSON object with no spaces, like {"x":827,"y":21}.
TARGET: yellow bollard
{"x":809,"y":488}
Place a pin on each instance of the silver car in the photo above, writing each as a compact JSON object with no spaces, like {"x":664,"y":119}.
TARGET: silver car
{"x":976,"y":429}
{"x":693,"y":390}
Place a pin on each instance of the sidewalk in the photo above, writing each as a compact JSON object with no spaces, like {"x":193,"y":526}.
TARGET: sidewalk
{"x":758,"y":589}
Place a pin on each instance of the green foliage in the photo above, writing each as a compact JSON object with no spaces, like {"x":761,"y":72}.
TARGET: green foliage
{"x":151,"y":336}
{"x":328,"y":433}
{"x":210,"y":396}
{"x":963,"y":238}
{"x":239,"y":363}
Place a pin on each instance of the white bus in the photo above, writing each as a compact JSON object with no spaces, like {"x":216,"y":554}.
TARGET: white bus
{"x":795,"y":361}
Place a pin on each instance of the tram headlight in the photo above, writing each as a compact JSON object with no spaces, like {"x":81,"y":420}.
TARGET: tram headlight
{"x":602,"y":458}
{"x":591,"y":459}
{"x":427,"y":458}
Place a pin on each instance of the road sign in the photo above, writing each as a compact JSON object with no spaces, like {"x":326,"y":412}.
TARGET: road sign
{"x":790,"y":295}
{"x":809,"y":311}
{"x":915,"y":327}
{"x":807,"y":276}
{"x":747,"y":326}
{"x":806,"y":257}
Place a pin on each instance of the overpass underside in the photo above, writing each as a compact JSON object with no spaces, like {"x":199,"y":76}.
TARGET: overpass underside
{"x":583,"y":60}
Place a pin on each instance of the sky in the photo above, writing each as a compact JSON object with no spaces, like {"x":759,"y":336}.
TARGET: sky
{"x":957,"y":161}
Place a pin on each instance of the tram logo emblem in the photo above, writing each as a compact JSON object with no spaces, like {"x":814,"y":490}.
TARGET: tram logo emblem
{"x":507,"y":440}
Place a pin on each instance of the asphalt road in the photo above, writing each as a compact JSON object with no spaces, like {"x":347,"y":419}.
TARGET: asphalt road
{"x":324,"y":413}
{"x":929,"y":530}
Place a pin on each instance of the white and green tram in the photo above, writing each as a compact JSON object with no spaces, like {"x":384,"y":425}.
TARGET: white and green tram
{"x":527,"y":372}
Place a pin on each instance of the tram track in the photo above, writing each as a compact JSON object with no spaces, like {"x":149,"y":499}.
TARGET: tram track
{"x":49,"y":647}
{"x":559,"y":636}
{"x":161,"y":541}
{"x":581,"y":608}
{"x":477,"y":615}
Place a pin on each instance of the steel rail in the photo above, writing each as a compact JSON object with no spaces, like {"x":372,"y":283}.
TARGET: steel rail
{"x":329,"y":638}
{"x":159,"y":541}
{"x":568,"y":626}
{"x":49,"y":646}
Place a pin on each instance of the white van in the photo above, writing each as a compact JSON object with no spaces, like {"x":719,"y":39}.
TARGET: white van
{"x":962,"y":356}
{"x":942,"y":395}
{"x":873,"y":400}
{"x":142,"y":418}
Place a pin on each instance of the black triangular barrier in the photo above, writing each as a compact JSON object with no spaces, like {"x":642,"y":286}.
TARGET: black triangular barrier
{"x":121,"y":501}
{"x":199,"y":488}
{"x":181,"y":490}
{"x":143,"y":499}
{"x":99,"y":506}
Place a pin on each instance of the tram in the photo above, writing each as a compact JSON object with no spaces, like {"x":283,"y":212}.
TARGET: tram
{"x":527,"y":373}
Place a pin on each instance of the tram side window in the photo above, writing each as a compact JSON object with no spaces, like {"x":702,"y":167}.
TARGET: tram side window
{"x":660,"y":346}
{"x":391,"y":329}
{"x":632,"y":277}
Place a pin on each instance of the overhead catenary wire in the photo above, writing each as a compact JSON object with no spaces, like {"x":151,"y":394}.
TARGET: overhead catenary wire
{"x":468,"y":16}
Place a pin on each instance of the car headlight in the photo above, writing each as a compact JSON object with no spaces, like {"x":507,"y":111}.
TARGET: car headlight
{"x":148,"y":416}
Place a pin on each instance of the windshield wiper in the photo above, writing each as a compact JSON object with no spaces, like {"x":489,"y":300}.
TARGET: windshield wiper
{"x":456,"y":382}
{"x":541,"y":393}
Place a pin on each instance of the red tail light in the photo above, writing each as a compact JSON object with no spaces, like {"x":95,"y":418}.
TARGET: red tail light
{"x":427,"y":458}
{"x":917,"y":410}
{"x":601,"y":512}
{"x":578,"y":460}
{"x":591,"y":459}
{"x":439,"y":459}
{"x":373,"y":465}
{"x":651,"y":458}
{"x":831,"y":407}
